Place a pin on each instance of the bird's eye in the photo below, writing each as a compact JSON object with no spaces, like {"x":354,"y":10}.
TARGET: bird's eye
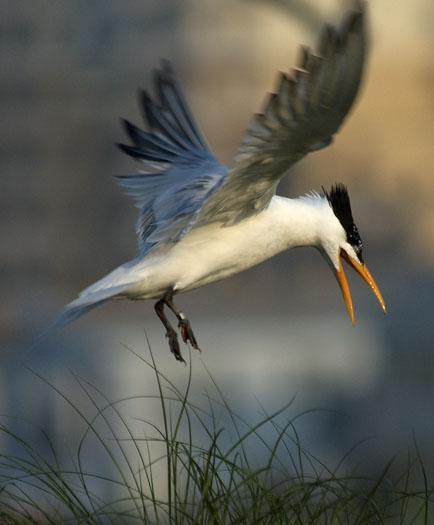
{"x":354,"y":239}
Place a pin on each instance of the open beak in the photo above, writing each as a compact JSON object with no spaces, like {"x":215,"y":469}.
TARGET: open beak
{"x":362,"y":270}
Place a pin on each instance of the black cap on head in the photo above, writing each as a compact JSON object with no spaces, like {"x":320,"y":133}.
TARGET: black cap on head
{"x":339,"y":200}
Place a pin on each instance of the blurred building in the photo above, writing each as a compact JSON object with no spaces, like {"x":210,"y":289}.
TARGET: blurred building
{"x":70,"y":69}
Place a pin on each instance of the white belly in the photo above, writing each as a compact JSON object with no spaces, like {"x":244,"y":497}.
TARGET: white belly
{"x":209,"y":254}
{"x":217,"y":253}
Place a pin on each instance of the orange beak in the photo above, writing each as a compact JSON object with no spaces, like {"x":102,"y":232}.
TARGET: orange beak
{"x":362,"y":270}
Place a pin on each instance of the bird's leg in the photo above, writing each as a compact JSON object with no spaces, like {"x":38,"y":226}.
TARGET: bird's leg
{"x":170,"y":332}
{"x":183,"y":323}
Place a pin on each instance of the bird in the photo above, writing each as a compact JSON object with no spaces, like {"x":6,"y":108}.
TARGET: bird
{"x":200,"y":221}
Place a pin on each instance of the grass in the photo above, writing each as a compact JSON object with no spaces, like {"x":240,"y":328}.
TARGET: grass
{"x":197,"y":466}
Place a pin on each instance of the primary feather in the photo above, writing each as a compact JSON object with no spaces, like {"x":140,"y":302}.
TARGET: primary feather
{"x":304,"y":114}
{"x":180,"y":170}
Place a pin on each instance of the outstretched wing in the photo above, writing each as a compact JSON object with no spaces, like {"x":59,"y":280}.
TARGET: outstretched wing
{"x":304,"y":114}
{"x":180,"y":171}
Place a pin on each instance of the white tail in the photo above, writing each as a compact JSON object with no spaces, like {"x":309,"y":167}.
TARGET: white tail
{"x":86,"y":302}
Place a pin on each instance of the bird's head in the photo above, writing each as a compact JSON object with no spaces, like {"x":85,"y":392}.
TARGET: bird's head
{"x":344,"y":242}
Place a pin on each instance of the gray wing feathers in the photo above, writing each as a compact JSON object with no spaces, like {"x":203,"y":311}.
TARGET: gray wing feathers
{"x":179,"y":170}
{"x":302,"y":116}
{"x":183,"y":185}
{"x":175,"y":106}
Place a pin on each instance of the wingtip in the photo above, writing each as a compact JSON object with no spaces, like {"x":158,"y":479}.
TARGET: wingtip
{"x":304,"y":57}
{"x":126,"y":124}
{"x":131,"y":151}
{"x":355,"y":20}
{"x":360,"y":5}
{"x":165,"y":72}
{"x":325,"y":39}
{"x":144,"y":97}
{"x":145,"y":104}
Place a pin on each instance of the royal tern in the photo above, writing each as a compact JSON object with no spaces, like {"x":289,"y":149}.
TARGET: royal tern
{"x":200,"y":221}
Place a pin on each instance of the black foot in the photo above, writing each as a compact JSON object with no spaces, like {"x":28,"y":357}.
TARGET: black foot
{"x":184,"y":326}
{"x":174,"y":345}
{"x":187,"y":333}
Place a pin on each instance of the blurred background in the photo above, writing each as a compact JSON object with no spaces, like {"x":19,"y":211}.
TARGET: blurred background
{"x":279,"y":330}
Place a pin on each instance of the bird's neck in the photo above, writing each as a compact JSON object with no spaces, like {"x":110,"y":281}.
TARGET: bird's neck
{"x":302,"y":221}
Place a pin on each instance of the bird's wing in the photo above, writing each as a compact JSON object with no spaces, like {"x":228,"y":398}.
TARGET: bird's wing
{"x":179,"y":172}
{"x":308,"y":108}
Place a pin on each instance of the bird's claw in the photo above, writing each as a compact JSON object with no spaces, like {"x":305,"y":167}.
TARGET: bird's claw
{"x":187,"y":333}
{"x":174,"y":345}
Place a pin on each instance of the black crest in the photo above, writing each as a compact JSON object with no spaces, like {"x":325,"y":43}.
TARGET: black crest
{"x":340,"y":202}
